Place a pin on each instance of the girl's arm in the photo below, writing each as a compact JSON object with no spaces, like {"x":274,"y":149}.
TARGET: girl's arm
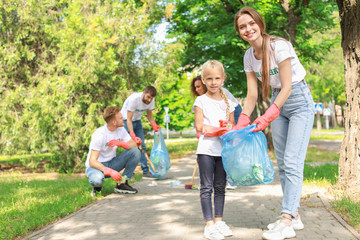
{"x":199,"y":119}
{"x":286,"y":80}
{"x":252,"y":93}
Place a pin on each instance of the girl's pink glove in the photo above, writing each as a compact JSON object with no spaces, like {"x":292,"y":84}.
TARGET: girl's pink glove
{"x":210,"y":131}
{"x":225,"y":123}
{"x":136,"y":139}
{"x":243,"y":121}
{"x":270,"y":115}
{"x":112,"y":173}
{"x":154,"y":126}
{"x":114,"y":142}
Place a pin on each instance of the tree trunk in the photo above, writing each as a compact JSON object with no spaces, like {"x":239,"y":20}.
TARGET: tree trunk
{"x":349,"y":165}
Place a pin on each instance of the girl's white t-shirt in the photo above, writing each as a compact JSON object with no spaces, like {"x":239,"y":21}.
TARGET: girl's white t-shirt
{"x":213,"y":111}
{"x":135,"y":104}
{"x":282,"y":50}
{"x":99,"y":140}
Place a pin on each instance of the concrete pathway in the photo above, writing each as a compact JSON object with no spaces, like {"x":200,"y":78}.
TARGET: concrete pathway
{"x":174,"y":213}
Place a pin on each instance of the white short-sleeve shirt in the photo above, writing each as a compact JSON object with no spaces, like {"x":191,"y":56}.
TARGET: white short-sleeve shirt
{"x":282,"y":51}
{"x":134,"y":104}
{"x":213,"y":111}
{"x":99,"y":141}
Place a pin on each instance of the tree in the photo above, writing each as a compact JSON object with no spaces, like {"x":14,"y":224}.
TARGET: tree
{"x":349,"y":171}
{"x":206,"y":28}
{"x":62,"y":63}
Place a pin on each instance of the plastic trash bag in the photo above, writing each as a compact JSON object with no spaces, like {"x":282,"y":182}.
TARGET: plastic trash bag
{"x":159,"y":156}
{"x":245,"y":157}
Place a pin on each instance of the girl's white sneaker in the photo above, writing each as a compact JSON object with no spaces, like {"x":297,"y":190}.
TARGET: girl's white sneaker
{"x":212,"y":233}
{"x":223,"y":228}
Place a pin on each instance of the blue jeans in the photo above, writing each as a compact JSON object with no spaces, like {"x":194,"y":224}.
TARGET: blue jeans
{"x":139,"y":132}
{"x":237,"y":112}
{"x":128,"y":159}
{"x":212,"y":176}
{"x":291,"y":134}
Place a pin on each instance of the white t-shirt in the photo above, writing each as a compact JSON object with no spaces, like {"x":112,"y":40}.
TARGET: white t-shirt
{"x":134,"y":104}
{"x":99,"y":141}
{"x":213,"y":110}
{"x":283,"y":50}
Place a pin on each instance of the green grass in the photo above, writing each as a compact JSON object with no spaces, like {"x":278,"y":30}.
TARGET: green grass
{"x":349,"y":209}
{"x":30,"y":202}
{"x":321,"y":155}
{"x":315,"y":137}
{"x":327,"y":173}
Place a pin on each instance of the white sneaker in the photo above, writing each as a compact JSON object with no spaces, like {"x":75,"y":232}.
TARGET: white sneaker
{"x":212,"y":232}
{"x":296,"y":224}
{"x":223,"y":228}
{"x":229,"y":187}
{"x":280,"y":232}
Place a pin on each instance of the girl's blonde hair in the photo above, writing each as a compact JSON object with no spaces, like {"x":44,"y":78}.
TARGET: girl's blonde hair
{"x":265,"y":71}
{"x":211,"y":64}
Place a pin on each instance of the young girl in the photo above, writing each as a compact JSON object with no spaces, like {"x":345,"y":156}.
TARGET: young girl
{"x":210,"y":108}
{"x":273,"y":61}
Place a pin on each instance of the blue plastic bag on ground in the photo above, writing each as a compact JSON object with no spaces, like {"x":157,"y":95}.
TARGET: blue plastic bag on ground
{"x":245,"y":157}
{"x":159,"y":156}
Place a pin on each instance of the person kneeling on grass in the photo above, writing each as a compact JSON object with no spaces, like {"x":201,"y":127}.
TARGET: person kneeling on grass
{"x":102,"y":161}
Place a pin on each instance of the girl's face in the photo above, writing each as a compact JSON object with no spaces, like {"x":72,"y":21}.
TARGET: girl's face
{"x":199,"y":87}
{"x":213,"y":79}
{"x":248,"y":28}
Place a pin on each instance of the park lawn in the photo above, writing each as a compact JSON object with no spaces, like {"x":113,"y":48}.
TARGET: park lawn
{"x":29,"y":202}
{"x":314,"y":154}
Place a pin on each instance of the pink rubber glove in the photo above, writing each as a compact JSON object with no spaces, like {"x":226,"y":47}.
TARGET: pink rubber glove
{"x":243,"y":121}
{"x":210,"y":131}
{"x":198,"y":134}
{"x":136,"y":139}
{"x":155,"y":127}
{"x":228,"y":124}
{"x":270,"y":115}
{"x":114,"y":142}
{"x":112,"y":173}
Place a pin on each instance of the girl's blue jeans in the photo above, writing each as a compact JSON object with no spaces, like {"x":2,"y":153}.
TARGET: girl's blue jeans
{"x":128,"y":159}
{"x":212,"y":176}
{"x":291,"y":134}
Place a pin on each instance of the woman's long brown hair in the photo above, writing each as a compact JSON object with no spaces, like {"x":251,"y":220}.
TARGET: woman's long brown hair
{"x":265,"y":68}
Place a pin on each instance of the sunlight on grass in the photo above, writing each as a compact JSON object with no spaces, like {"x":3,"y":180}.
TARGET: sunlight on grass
{"x":320,"y":155}
{"x":349,"y":209}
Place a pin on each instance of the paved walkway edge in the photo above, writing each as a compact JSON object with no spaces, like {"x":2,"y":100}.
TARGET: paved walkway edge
{"x":37,"y":232}
{"x":338,"y":217}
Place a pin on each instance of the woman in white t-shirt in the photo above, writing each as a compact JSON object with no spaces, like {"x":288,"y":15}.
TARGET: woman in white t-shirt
{"x":273,"y":61}
{"x":212,"y":108}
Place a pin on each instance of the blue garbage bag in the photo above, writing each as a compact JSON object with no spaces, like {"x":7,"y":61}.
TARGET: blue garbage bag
{"x":159,"y":156}
{"x":245,"y":157}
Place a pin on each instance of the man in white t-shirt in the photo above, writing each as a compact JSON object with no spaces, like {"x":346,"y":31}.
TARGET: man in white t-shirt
{"x":134,"y":106}
{"x":102,"y":161}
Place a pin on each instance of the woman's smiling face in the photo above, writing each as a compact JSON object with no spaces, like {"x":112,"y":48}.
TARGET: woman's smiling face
{"x":249,"y":30}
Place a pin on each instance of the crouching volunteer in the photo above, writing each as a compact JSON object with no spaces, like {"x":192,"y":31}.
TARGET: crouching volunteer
{"x":102,"y":161}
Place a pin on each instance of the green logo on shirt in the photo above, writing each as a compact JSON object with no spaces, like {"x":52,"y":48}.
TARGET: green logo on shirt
{"x":272,"y":72}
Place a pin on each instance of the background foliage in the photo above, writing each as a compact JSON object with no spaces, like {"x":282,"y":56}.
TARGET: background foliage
{"x":62,"y":62}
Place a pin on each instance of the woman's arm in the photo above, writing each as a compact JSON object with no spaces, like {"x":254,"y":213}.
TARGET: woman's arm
{"x":252,"y":93}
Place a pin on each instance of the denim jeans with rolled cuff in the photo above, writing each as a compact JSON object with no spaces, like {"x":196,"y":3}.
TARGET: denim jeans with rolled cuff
{"x":212,"y":176}
{"x":128,"y":159}
{"x":291,"y":134}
